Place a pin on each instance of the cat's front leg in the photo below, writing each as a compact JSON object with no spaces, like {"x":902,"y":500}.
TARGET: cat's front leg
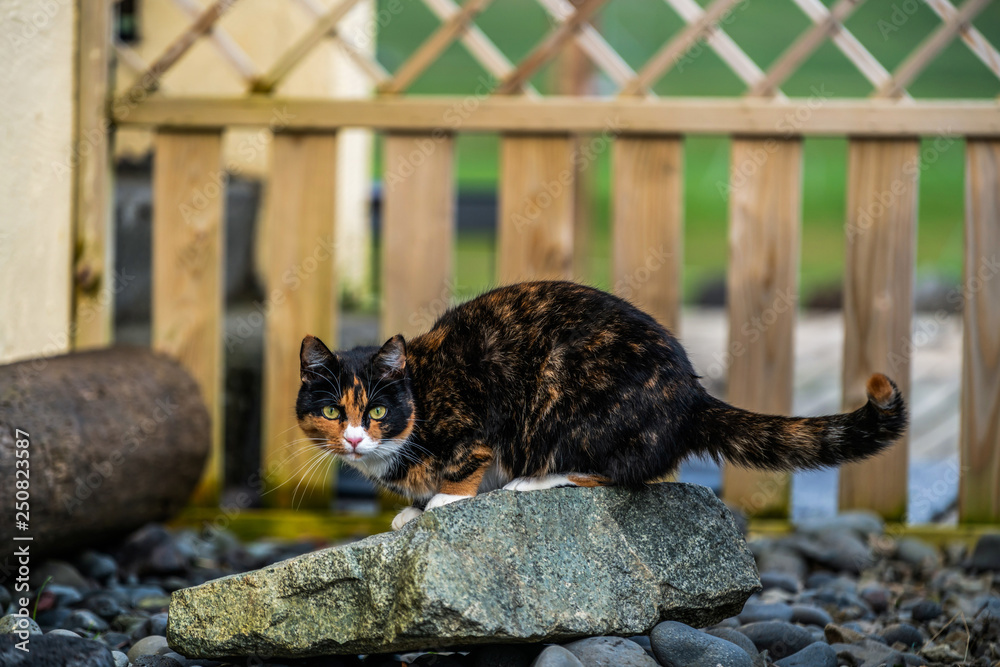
{"x":461,"y":478}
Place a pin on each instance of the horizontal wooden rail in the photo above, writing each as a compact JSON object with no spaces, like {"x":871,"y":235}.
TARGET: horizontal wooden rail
{"x":745,"y":117}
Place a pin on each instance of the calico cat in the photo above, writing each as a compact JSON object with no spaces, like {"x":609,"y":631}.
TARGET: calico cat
{"x":546,"y":384}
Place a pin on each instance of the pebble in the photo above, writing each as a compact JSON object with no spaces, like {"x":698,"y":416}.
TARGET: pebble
{"x":679,"y":645}
{"x":121,"y":660}
{"x":610,"y":652}
{"x":783,"y":561}
{"x":842,"y":634}
{"x":807,"y":614}
{"x":96,"y":565}
{"x":556,"y":656}
{"x":61,"y":631}
{"x":155,"y":661}
{"x":986,"y":555}
{"x":925,"y":610}
{"x":779,"y":580}
{"x":60,"y":573}
{"x":53,"y":649}
{"x":819,"y":579}
{"x":942,"y":653}
{"x":870,"y":654}
{"x":13,"y":623}
{"x":65,"y":596}
{"x":104,"y":605}
{"x":734,"y":637}
{"x":903,"y":633}
{"x":817,"y":654}
{"x":86,"y":620}
{"x":147,"y":646}
{"x":643,"y":641}
{"x":778,"y":638}
{"x":914,"y":551}
{"x":158,"y":624}
{"x":754,"y":612}
{"x":861,"y":522}
{"x":876,"y":596}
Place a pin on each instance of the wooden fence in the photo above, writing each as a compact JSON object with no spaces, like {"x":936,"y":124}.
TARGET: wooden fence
{"x":536,"y":235}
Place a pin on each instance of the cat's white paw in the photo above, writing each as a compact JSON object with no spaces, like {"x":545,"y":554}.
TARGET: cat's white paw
{"x":442,"y":499}
{"x":404,"y":517}
{"x":536,"y":483}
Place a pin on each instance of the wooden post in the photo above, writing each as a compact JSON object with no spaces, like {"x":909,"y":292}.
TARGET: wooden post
{"x":536,"y":208}
{"x":647,"y":224}
{"x":878,"y":303}
{"x":979,"y":486}
{"x":301,"y":298}
{"x":94,"y":289}
{"x":188,"y":197}
{"x":765,"y":219}
{"x":37,"y":66}
{"x":418,"y":232}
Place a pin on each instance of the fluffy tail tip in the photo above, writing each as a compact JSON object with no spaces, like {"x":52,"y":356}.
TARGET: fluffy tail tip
{"x":881,"y":391}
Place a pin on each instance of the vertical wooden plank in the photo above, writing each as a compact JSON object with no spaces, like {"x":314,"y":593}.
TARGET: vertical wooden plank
{"x":536,"y":208}
{"x":301,"y":287}
{"x":878,"y":302}
{"x":418,"y":232}
{"x":647,"y":208}
{"x":979,"y":485}
{"x":93,"y":304}
{"x":188,"y":272}
{"x":37,"y":75}
{"x":765,"y":221}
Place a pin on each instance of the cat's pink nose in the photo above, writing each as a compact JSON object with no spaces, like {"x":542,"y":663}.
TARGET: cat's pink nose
{"x":354,"y":441}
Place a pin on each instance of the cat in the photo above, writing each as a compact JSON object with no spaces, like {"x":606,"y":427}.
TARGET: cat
{"x":544,"y":384}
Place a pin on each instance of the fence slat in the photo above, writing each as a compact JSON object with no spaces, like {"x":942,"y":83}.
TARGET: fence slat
{"x":647,"y":224}
{"x":187,"y":272}
{"x":418,"y":232}
{"x":93,"y":303}
{"x":979,"y":494}
{"x":878,"y":302}
{"x":536,"y":208}
{"x":301,"y":287}
{"x":765,"y":221}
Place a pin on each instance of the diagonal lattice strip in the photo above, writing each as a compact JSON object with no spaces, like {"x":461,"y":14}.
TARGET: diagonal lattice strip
{"x":434,"y":46}
{"x":550,"y":46}
{"x":922,"y":56}
{"x":974,"y":39}
{"x":803,"y":47}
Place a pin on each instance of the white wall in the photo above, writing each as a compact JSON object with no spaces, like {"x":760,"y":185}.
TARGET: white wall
{"x":36,"y":134}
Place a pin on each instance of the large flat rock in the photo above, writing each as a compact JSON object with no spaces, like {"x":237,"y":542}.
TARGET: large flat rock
{"x":502,"y":567}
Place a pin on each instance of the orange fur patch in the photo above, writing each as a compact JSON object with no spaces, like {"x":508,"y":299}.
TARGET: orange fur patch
{"x":588,"y":480}
{"x":880,"y":390}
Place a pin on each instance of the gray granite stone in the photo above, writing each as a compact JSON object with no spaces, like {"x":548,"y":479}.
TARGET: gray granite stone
{"x":506,"y":566}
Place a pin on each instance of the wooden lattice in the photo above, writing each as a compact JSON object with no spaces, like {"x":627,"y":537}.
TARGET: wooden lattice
{"x":573,"y":23}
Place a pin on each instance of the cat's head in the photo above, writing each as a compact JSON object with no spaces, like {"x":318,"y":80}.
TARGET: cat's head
{"x":356,"y":404}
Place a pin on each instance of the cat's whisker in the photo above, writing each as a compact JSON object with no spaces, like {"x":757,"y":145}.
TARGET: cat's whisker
{"x":292,"y":475}
{"x":305,"y":476}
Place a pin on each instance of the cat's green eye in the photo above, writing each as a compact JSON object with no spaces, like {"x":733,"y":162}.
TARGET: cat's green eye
{"x":331,"y":411}
{"x":377,"y":413}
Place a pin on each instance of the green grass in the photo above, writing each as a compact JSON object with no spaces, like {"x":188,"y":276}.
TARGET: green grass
{"x":636,"y":28}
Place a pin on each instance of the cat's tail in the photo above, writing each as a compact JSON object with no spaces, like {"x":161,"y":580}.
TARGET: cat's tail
{"x":755,"y":440}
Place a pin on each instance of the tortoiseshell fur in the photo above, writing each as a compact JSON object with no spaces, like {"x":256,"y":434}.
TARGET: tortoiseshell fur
{"x":554,"y":378}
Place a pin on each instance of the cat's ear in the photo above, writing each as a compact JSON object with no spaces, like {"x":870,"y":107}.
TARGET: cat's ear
{"x":314,"y":355}
{"x":391,"y":359}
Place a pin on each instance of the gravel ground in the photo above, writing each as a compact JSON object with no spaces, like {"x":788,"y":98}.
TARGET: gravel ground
{"x":837,"y":591}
